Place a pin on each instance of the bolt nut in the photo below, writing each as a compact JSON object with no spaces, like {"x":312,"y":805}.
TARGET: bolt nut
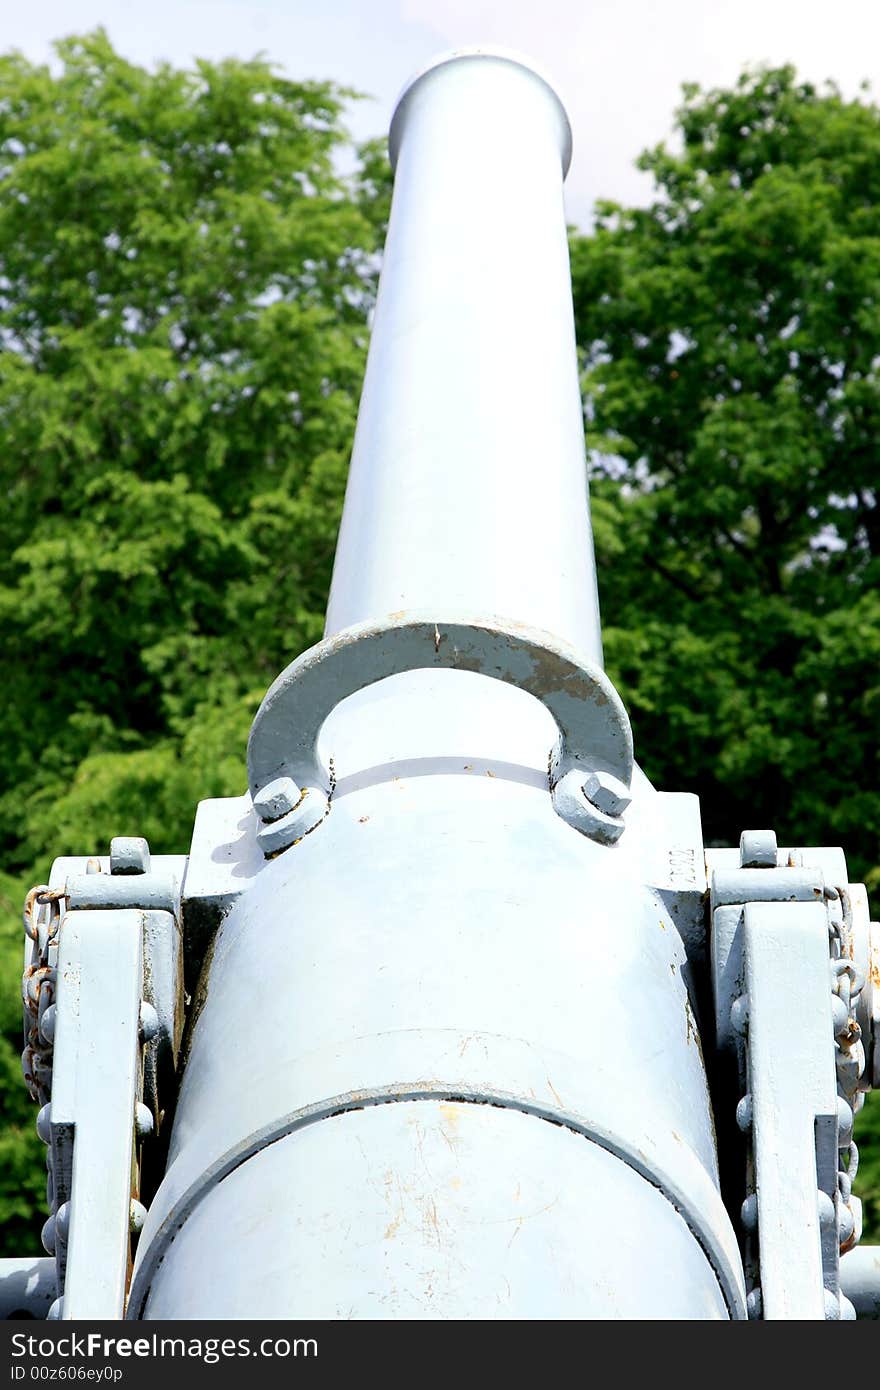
{"x":277,"y":798}
{"x":129,"y":854}
{"x":607,"y":793}
{"x":758,"y":849}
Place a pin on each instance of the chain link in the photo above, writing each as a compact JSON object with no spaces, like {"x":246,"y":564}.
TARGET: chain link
{"x":849,"y":1057}
{"x":43,"y":914}
{"x":43,"y":917}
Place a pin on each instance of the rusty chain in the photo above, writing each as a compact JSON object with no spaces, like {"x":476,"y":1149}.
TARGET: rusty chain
{"x":42,"y":916}
{"x":849,"y":1057}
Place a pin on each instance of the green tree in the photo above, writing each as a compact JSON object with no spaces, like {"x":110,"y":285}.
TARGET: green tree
{"x":185,"y":280}
{"x":731,"y":339}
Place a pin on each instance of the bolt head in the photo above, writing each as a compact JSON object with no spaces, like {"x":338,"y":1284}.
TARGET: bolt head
{"x":832,"y":1306}
{"x":129,"y":854}
{"x":739,"y":1014}
{"x":44,"y":1123}
{"x":826,"y":1209}
{"x":277,"y":798}
{"x":62,"y":1222}
{"x":744,"y":1113}
{"x":143,"y":1120}
{"x":757,"y":849}
{"x":47,"y":1236}
{"x":749,"y":1212}
{"x":607,"y":793}
{"x":149,"y":1022}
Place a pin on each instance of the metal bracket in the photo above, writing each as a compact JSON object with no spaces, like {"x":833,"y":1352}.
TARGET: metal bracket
{"x":128,"y":879}
{"x":91,"y":1120}
{"x":102,"y":995}
{"x":793,"y":1102}
{"x":291,"y":785}
{"x":780,"y":1011}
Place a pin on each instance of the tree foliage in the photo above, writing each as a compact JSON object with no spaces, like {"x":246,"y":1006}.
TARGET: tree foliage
{"x":731,"y":340}
{"x":185,"y":280}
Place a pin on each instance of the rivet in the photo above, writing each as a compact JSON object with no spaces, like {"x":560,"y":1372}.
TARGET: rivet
{"x":143,"y":1120}
{"x":749,"y":1212}
{"x":44,"y":1123}
{"x":47,"y":1236}
{"x":149,"y":1021}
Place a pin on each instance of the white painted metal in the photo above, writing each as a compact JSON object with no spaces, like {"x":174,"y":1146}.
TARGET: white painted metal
{"x":467,"y":489}
{"x":485,"y":1214}
{"x":94,"y":1088}
{"x":290,"y":782}
{"x":793,"y":1085}
{"x":447,"y":931}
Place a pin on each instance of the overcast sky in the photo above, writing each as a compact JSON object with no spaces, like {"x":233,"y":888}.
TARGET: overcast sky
{"x":618,"y":64}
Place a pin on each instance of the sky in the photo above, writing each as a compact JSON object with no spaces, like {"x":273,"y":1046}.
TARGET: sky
{"x":618,"y":64}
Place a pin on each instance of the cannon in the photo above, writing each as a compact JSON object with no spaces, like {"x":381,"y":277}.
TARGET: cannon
{"x":452,"y":1014}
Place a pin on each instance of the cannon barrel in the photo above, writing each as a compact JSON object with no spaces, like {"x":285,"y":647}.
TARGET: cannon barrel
{"x":467,"y":488}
